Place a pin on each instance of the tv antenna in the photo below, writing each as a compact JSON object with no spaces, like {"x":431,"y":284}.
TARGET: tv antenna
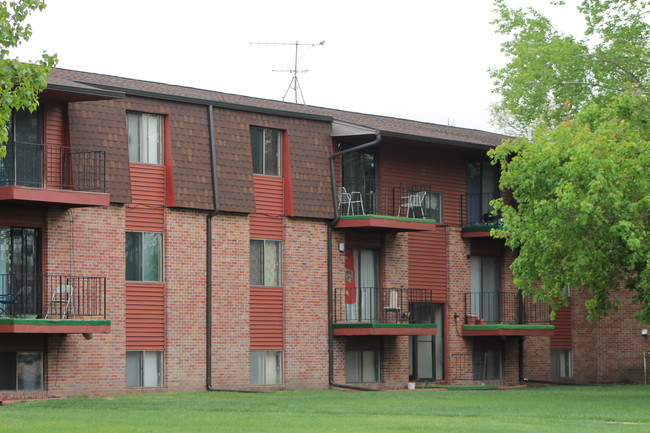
{"x":294,"y":84}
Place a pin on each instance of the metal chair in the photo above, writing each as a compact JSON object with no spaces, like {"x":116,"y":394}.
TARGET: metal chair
{"x":348,"y":199}
{"x":411,"y":201}
{"x":7,"y":302}
{"x":60,"y":303}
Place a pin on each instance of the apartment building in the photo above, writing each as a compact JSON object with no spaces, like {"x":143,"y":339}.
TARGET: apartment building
{"x":166,"y":238}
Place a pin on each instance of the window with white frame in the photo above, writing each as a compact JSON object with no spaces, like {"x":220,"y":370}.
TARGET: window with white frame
{"x":266,"y":367}
{"x":144,"y":255}
{"x":561,"y":363}
{"x":21,"y":371}
{"x":267,"y":144}
{"x":145,"y":137}
{"x":145,"y":368}
{"x":266,"y":263}
{"x":362,"y":366}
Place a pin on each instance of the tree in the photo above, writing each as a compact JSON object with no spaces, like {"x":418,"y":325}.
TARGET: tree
{"x":20,"y":82}
{"x":551,"y":75}
{"x":581,"y":176}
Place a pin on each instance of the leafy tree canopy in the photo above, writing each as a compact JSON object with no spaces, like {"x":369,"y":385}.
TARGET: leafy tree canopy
{"x":551,"y":75}
{"x":581,"y":179}
{"x":20,"y":82}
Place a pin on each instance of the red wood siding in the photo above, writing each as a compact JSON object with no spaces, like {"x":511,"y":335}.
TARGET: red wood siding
{"x":427,"y":260}
{"x":54,"y":138}
{"x":561,"y":338}
{"x":146,"y":212}
{"x":266,"y":318}
{"x":145,"y":302}
{"x":145,"y":316}
{"x":266,"y":223}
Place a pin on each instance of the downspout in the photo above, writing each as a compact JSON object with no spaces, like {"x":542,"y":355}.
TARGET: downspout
{"x":208,"y":255}
{"x":330,"y":277}
{"x":208,"y":261}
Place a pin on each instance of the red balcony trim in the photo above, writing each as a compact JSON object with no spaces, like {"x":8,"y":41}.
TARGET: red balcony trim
{"x":385,"y":222}
{"x":47,"y":326}
{"x":53,"y":197}
{"x":363,"y":329}
{"x":503,"y":330}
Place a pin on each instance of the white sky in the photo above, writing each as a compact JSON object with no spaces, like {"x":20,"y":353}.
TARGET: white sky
{"x":424,"y":60}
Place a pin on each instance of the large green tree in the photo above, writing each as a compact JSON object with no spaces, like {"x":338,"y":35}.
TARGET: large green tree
{"x":580,"y":176}
{"x":20,"y":82}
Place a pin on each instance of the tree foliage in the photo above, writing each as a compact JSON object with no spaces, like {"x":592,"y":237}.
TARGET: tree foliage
{"x":551,"y":74}
{"x":20,"y":82}
{"x":580,"y":177}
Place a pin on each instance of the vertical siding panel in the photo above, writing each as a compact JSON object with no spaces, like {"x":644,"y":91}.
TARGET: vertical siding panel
{"x":54,"y":139}
{"x":145,"y":302}
{"x":266,"y":303}
{"x":561,"y":338}
{"x":427,"y":261}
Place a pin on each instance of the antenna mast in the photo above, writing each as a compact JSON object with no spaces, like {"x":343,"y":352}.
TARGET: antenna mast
{"x":294,"y":84}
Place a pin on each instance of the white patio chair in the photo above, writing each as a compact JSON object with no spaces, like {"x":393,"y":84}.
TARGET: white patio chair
{"x":60,"y":303}
{"x":347,"y":199}
{"x":411,"y":201}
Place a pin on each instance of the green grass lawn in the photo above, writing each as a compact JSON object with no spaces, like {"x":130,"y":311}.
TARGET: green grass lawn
{"x":546,"y":409}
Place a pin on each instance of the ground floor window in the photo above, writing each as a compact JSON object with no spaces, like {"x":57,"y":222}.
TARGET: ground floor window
{"x":362,"y":366}
{"x":21,"y":371}
{"x":266,"y":367}
{"x":561,"y":363}
{"x":488,"y":364}
{"x":145,"y":368}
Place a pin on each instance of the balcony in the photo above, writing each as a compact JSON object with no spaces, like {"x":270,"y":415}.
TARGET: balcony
{"x":478,"y":217}
{"x":47,"y":175}
{"x":387,"y":205}
{"x":505,"y":314}
{"x":52,"y":304}
{"x":381,"y":311}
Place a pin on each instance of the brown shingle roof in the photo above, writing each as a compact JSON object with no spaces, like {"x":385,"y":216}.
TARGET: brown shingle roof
{"x":383,"y":124}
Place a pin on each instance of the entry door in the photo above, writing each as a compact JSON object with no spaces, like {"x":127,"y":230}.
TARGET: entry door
{"x":427,"y":351}
{"x":23,"y":164}
{"x":20,"y":261}
{"x":485,"y":287}
{"x":365,"y":307}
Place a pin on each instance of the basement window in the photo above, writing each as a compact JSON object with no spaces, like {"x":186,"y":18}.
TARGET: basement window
{"x":561,"y":363}
{"x":21,"y":371}
{"x":361,"y":366}
{"x":144,"y":368}
{"x":266,"y":367}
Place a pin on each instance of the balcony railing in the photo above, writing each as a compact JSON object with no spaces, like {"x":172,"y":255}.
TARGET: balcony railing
{"x":53,"y":167}
{"x":380,"y":305}
{"x":476,"y":209}
{"x":396,"y":199}
{"x":506,"y":308}
{"x":52,"y":296}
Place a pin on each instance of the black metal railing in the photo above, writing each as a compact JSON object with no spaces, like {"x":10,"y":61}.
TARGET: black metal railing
{"x":506,"y":308}
{"x":476,"y":209}
{"x":388,"y":198}
{"x":53,"y":167}
{"x":380,"y":305}
{"x":52,"y":296}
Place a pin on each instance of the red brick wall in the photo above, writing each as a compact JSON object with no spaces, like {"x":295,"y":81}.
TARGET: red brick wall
{"x":75,"y":240}
{"x":305,"y":304}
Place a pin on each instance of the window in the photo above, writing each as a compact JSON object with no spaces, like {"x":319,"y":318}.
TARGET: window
{"x":561,"y":363}
{"x":266,"y":367}
{"x":144,"y":368}
{"x":432,"y":206}
{"x":145,"y":137}
{"x":144,"y":256}
{"x":21,"y":371}
{"x":266,"y":263}
{"x":362,"y":366}
{"x":266,"y":150}
{"x":488,"y":364}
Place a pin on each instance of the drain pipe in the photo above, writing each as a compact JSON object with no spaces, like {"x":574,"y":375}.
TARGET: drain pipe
{"x":330,"y":278}
{"x":208,"y":255}
{"x":208,"y":262}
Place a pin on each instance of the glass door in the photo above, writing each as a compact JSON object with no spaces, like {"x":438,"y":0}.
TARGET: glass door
{"x":23,"y":164}
{"x":360,"y":176}
{"x":365,"y":307}
{"x":485,"y":287}
{"x":20,"y":262}
{"x":427,"y":351}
